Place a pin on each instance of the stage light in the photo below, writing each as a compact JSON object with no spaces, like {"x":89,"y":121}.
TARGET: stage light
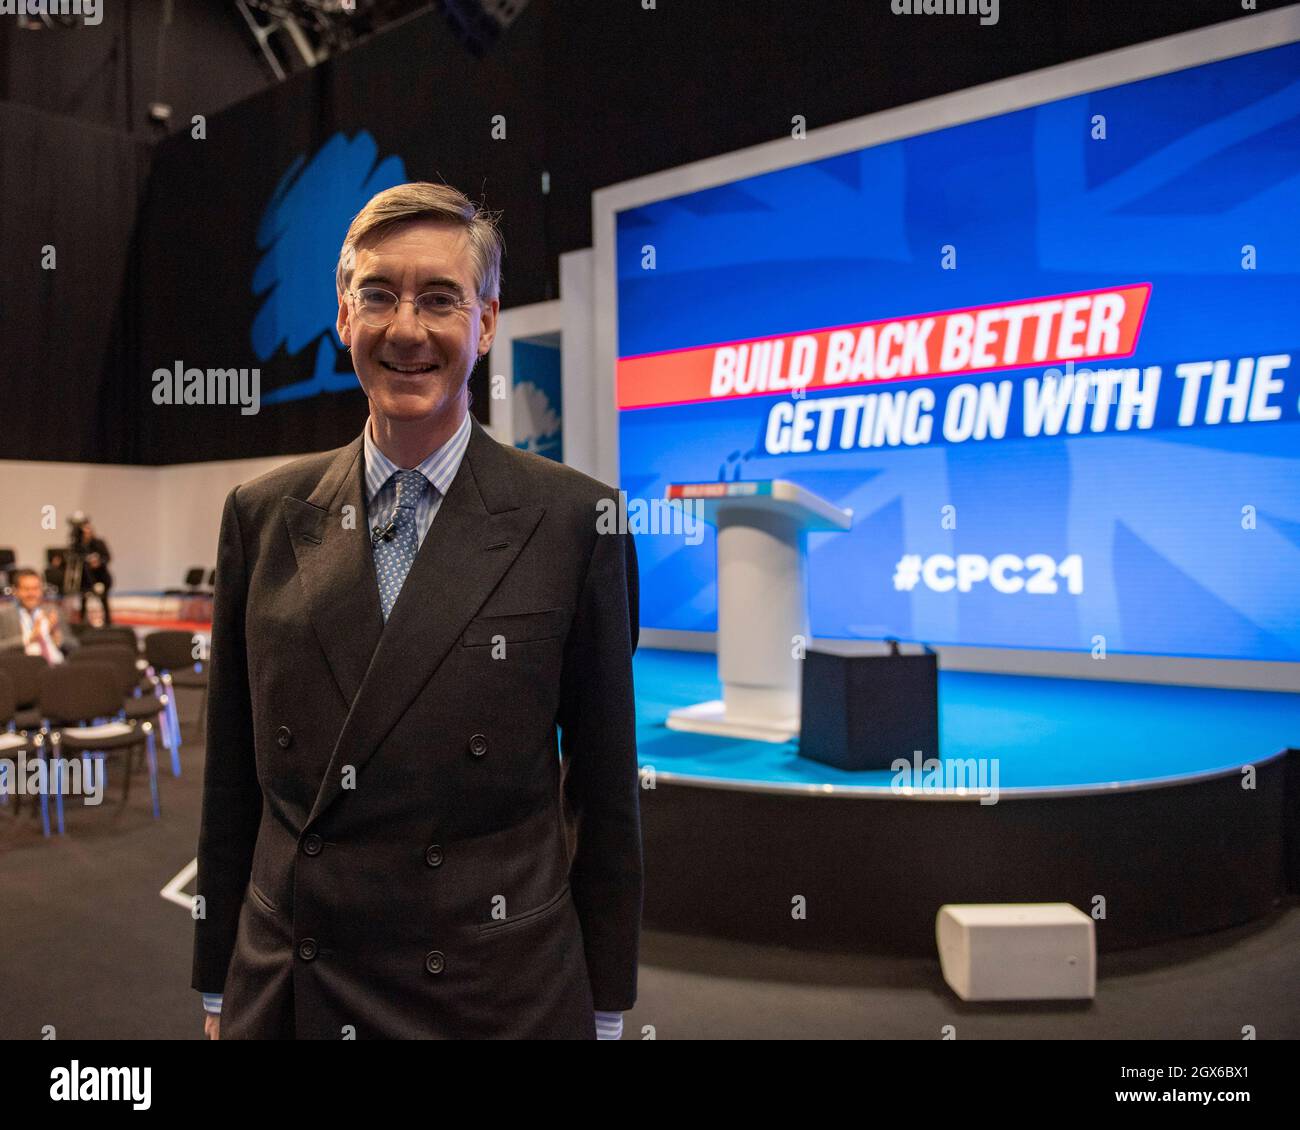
{"x":479,"y":23}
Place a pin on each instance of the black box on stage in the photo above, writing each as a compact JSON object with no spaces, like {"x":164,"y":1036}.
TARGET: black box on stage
{"x":864,"y":706}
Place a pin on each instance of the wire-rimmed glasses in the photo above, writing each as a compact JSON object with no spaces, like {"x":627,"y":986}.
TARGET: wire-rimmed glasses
{"x":376,"y":307}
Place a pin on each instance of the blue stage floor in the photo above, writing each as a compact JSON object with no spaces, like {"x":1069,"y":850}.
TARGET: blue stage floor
{"x":1045,"y":732}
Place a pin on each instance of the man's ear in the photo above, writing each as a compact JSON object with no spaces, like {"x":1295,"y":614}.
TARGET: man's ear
{"x":344,"y":324}
{"x":488,"y":328}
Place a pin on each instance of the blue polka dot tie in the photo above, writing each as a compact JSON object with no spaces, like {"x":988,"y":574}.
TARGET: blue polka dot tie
{"x":393,"y":555}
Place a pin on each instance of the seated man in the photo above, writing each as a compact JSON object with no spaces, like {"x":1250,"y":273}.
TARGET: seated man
{"x":28,"y":626}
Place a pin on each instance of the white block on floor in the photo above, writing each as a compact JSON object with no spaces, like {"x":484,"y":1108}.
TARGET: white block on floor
{"x":1019,"y":951}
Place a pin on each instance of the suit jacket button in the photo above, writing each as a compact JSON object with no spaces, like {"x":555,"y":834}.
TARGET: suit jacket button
{"x":284,"y":737}
{"x":307,"y":949}
{"x":478,"y":745}
{"x":312,"y":843}
{"x":433,"y":855}
{"x":434,"y":962}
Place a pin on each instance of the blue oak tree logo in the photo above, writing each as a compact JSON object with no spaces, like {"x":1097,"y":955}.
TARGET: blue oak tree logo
{"x":299,"y":238}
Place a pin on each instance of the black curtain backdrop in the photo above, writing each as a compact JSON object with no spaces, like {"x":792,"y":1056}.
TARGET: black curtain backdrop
{"x":592,"y":91}
{"x":422,"y":98}
{"x":63,"y":338}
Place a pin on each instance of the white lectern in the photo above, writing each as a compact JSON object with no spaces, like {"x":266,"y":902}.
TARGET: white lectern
{"x":762,"y":603}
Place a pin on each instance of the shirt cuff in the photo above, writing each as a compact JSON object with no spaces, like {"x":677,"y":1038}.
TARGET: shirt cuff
{"x":212,"y":1003}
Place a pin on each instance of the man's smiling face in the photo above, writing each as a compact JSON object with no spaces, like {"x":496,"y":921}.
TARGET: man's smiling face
{"x":410,"y":372}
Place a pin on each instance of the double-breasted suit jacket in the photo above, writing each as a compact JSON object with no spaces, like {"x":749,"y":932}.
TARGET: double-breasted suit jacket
{"x":394,"y":843}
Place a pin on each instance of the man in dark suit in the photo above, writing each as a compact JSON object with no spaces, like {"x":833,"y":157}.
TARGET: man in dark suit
{"x":393,"y":842}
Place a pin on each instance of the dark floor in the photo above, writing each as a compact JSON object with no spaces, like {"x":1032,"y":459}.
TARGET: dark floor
{"x":92,"y":948}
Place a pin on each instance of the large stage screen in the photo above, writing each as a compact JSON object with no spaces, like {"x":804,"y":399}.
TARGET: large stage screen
{"x":1049,"y":358}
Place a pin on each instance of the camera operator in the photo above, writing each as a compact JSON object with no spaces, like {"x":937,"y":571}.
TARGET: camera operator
{"x":91,"y":554}
{"x":56,"y":570}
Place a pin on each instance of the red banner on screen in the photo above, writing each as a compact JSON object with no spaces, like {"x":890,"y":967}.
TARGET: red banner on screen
{"x":1088,"y":326}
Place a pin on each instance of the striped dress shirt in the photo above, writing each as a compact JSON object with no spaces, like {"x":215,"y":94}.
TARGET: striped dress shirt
{"x":439,"y":468}
{"x":381,"y":504}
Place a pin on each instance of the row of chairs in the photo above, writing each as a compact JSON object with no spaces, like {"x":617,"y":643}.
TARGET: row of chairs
{"x":108,"y":699}
{"x":196,"y":600}
{"x":170,"y":654}
{"x":194,"y":578}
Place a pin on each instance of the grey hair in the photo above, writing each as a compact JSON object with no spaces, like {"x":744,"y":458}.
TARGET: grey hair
{"x":423,"y":200}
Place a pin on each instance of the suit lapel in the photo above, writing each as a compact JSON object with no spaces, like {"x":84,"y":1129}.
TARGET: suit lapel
{"x":477,"y":533}
{"x":331,"y":541}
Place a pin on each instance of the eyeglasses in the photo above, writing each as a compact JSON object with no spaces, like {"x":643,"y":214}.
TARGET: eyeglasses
{"x":377,"y":307}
